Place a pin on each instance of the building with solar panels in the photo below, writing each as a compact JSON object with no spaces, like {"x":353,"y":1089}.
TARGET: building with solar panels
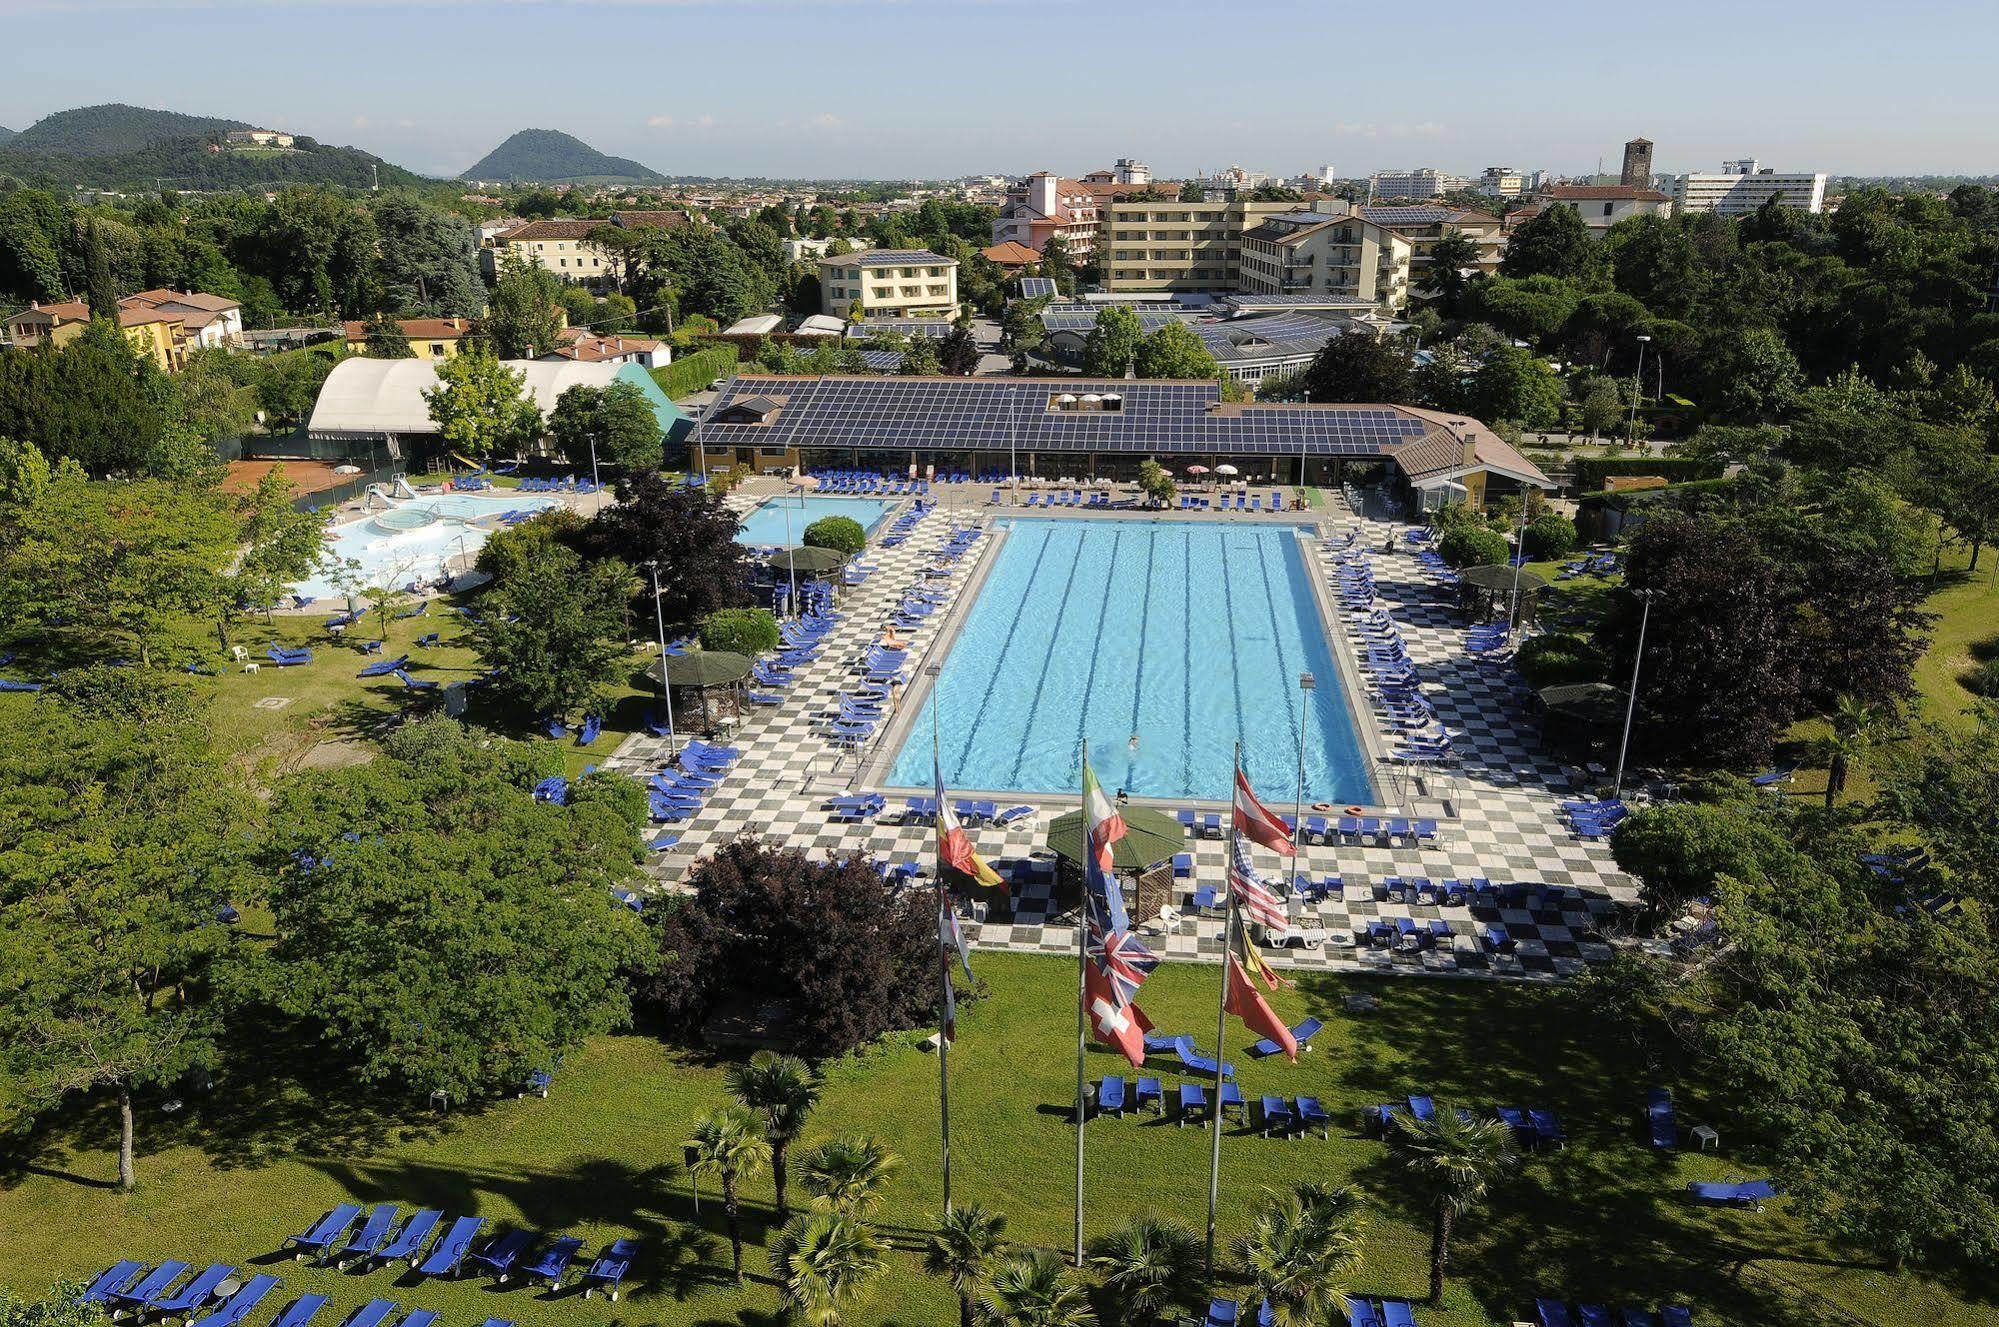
{"x":1328,"y":252}
{"x":1091,"y":428}
{"x":890,"y":283}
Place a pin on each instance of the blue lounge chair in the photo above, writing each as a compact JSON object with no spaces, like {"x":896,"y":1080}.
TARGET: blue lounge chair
{"x":414,"y":684}
{"x":420,"y":1318}
{"x":1676,"y":1315}
{"x":607,"y":1271}
{"x":1770,"y":778}
{"x":1516,"y":1119}
{"x":372,"y":1314}
{"x":1659,"y":1118}
{"x":1423,"y":1108}
{"x":553,"y":1262}
{"x":1360,"y":1313}
{"x":373,"y":1233}
{"x":324,"y":1233}
{"x":1232,"y":1100}
{"x":1194,"y":1103}
{"x":110,"y":1281}
{"x":195,"y":1293}
{"x":1313,"y":1115}
{"x":1595,"y":1315}
{"x":1110,"y":1096}
{"x":407,"y":1244}
{"x":1735,"y":1193}
{"x":302,"y":1311}
{"x":1302,"y":1035}
{"x":1277,"y":1114}
{"x":384,"y":667}
{"x":1147,"y":1090}
{"x":1553,"y":1313}
{"x":153,"y":1285}
{"x":592,"y":726}
{"x":1640,"y":1318}
{"x":451,"y":1247}
{"x":239,"y":1305}
{"x":1221,"y":1313}
{"x":1397,"y":1313}
{"x":1547,"y":1127}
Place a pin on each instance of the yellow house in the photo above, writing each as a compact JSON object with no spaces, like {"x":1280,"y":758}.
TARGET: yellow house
{"x":158,"y":336}
{"x":48,"y":324}
{"x":430,"y":338}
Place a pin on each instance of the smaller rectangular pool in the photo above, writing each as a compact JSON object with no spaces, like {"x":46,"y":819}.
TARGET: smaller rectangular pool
{"x":766,"y":524}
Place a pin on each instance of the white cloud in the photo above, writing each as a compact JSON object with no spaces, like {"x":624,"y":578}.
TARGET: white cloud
{"x":673,"y":122}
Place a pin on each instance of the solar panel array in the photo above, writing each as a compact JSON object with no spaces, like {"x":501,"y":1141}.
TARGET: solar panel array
{"x":975,"y":414}
{"x":1408,"y":216}
{"x":898,"y":258}
{"x":1149,"y":320}
{"x":1037,"y":287}
{"x":934,"y":328}
{"x":1277,"y":336}
{"x":882,"y":361}
{"x":1294,"y":301}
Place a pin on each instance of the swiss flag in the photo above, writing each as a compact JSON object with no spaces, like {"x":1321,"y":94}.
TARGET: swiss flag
{"x":1253,"y":819}
{"x":1246,"y":1003}
{"x":1122,"y":1026}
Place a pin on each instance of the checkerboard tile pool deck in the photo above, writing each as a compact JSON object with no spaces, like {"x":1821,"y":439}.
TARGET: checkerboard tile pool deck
{"x":1497,"y":805}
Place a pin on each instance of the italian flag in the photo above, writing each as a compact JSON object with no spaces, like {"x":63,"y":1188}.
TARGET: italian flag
{"x":1106,"y":826}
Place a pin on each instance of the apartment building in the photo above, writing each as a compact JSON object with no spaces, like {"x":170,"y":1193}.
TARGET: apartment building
{"x":1735,"y":193}
{"x":214,"y":321}
{"x":896,"y":283}
{"x":1604,"y":205}
{"x":562,"y":247}
{"x":1502,"y":182}
{"x":1423,"y":225}
{"x":1044,"y":206}
{"x":1171,"y":246}
{"x":1332,"y":252}
{"x":1422,"y":182}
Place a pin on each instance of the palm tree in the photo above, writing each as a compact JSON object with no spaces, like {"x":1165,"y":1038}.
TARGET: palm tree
{"x":1145,"y":1264}
{"x":847,"y":1174}
{"x":963,"y":1251}
{"x":783,"y":1089}
{"x":823,"y":1261}
{"x":1454,"y":1159}
{"x":1853,"y":722}
{"x":727,"y":1143}
{"x":1302,"y":1248}
{"x":1036,"y":1290}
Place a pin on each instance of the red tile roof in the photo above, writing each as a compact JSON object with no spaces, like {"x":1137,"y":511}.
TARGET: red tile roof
{"x":418,"y":329}
{"x":551,"y":230}
{"x":1011,"y":253}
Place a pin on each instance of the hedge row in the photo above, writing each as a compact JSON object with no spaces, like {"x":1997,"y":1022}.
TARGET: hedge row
{"x":691,"y":373}
{"x":1642,"y":497}
{"x":1591,"y":471}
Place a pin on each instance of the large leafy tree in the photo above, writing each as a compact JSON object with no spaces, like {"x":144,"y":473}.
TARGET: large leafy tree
{"x":524,"y":317}
{"x":1751,"y":374}
{"x":1112,"y":344}
{"x":1453,"y":1160}
{"x":384,"y":339}
{"x":429,"y":262}
{"x":1533,"y":308}
{"x":1512,"y":384}
{"x":784,"y":1090}
{"x":1361,"y":367}
{"x":117,"y":845}
{"x":1555,"y":243}
{"x":1172,"y":351}
{"x":690,"y":537}
{"x":1446,"y":279}
{"x":554,"y":631}
{"x":280,"y":545}
{"x":439,"y":927}
{"x":617,"y":419}
{"x":85,"y":401}
{"x":480,"y":406}
{"x":770,"y":926}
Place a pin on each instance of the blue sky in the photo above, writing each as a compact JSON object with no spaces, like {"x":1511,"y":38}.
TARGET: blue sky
{"x":894,"y":88}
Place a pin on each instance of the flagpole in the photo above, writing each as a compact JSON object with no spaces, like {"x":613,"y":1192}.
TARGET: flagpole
{"x":1222,"y":1023}
{"x":943,"y":977}
{"x":1082,"y":995}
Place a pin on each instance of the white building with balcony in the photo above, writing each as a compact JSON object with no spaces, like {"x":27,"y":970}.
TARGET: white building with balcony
{"x":896,"y":283}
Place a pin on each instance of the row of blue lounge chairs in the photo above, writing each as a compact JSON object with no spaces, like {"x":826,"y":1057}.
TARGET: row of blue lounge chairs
{"x":971,"y":812}
{"x":843,"y":482}
{"x":1531,"y":1127}
{"x":1363,"y":1312}
{"x":1440,"y":572}
{"x":1592,"y":819}
{"x":566,"y":484}
{"x":1594,"y":564}
{"x":378,"y":1240}
{"x":1386,"y":661}
{"x":678,"y":795}
{"x":1555,"y":1313}
{"x":1331,"y":830}
{"x":1277,"y":1115}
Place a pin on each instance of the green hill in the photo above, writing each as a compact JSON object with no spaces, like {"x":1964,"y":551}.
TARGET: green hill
{"x":132,"y":148}
{"x":549,"y":156}
{"x":6,"y":134}
{"x":113,"y":130}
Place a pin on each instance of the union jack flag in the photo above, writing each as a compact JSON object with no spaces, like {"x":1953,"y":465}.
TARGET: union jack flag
{"x":1123,"y":960}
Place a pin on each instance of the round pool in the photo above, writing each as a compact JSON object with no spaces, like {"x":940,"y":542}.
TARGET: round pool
{"x":402,"y":519}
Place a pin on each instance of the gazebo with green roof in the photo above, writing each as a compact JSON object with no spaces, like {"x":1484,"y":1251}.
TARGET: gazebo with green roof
{"x":1145,"y":853}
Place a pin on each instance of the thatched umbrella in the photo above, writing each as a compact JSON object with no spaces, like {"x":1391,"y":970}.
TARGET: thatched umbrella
{"x":1151,"y":838}
{"x":705,"y":671}
{"x":1594,"y":704}
{"x":807,"y":560}
{"x":1485,"y":590}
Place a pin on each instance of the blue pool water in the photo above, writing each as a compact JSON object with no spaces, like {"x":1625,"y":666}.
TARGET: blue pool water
{"x":1187,"y":635}
{"x":411,"y":540}
{"x":765,"y":524}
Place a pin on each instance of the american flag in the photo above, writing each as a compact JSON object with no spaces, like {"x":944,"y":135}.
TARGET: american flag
{"x":1257,"y":900}
{"x":1125,"y":961}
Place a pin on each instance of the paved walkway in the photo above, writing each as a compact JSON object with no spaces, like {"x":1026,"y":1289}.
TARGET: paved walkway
{"x":1497,"y":804}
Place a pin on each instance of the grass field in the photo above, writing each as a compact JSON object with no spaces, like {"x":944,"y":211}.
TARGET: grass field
{"x":1604,"y":1219}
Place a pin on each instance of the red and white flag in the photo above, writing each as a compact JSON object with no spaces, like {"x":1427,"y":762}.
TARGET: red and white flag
{"x":954,"y":845}
{"x":1247,"y":1004}
{"x":1254,"y":820}
{"x":1115,"y":1022}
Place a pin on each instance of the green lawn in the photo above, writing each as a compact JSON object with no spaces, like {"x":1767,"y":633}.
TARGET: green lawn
{"x":1602,"y":1220}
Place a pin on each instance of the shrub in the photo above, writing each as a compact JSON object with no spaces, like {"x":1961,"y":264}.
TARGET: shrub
{"x":745,"y":631}
{"x":1555,"y":660}
{"x":840,"y":533}
{"x":1456,"y":516}
{"x":1984,"y":679}
{"x":693,"y":372}
{"x":1550,"y":536}
{"x":1472,"y":546}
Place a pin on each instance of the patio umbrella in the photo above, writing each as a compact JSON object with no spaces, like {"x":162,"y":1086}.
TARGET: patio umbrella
{"x":1150,"y":838}
{"x":702,"y":668}
{"x":1197,"y":469}
{"x":808,"y":561}
{"x":1499,"y":578}
{"x":1227,"y":470}
{"x":1593,"y":704}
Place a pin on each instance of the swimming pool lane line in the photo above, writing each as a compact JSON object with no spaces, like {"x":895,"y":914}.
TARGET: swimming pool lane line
{"x":1138,"y":677}
{"x":1277,"y":637}
{"x":1187,"y":664}
{"x":1235,"y":669}
{"x":1041,"y":680}
{"x":992,"y":679}
{"x":1097,"y":650}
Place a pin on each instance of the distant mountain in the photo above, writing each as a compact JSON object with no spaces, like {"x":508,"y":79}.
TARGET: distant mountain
{"x":5,"y":133}
{"x":549,"y":156}
{"x":133,"y":148}
{"x":114,"y":130}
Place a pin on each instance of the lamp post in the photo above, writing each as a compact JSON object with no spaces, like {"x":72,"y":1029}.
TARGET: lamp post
{"x":1519,"y":556}
{"x":1631,"y":700}
{"x":595,"y":483}
{"x":665,"y":689}
{"x":790,"y":562}
{"x":1307,"y":684}
{"x":1631,"y":428}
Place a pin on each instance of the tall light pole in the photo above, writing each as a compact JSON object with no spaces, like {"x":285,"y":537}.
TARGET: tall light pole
{"x":1631,"y":700}
{"x":790,"y":562}
{"x":1631,"y":428}
{"x":1307,"y":684}
{"x":665,"y":690}
{"x":595,"y":482}
{"x":1519,"y":556}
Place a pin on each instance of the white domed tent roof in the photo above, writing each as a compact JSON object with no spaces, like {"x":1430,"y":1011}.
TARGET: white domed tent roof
{"x":384,"y":397}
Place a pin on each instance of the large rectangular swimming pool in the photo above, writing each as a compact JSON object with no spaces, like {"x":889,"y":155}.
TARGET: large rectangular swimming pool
{"x":1161,"y":643}
{"x":765,"y":524}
